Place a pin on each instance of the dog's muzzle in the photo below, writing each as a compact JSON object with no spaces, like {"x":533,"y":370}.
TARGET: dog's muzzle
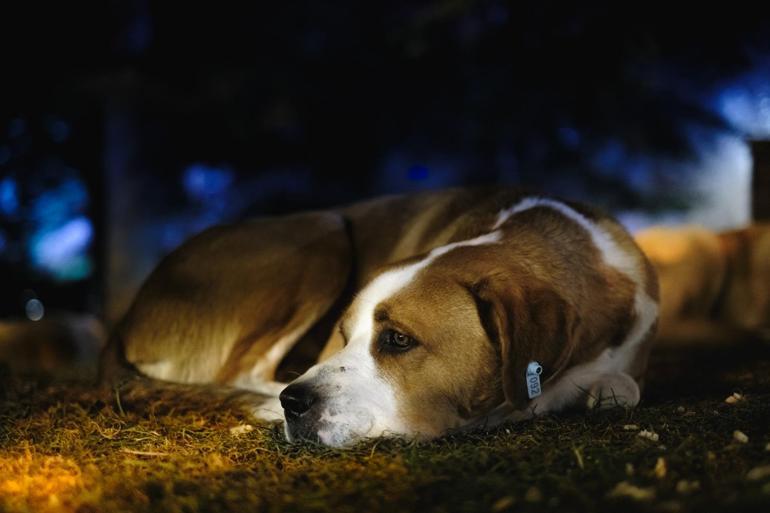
{"x":298,"y":401}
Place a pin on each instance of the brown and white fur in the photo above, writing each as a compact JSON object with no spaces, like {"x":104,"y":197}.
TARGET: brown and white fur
{"x":476,"y":284}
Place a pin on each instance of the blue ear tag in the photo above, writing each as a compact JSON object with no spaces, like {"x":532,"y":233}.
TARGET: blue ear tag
{"x":533,"y":379}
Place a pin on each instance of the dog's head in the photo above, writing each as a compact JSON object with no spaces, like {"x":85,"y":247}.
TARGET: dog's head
{"x":431,"y":346}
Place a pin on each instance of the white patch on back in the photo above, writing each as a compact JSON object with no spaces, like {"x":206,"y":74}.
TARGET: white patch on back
{"x":612,"y":254}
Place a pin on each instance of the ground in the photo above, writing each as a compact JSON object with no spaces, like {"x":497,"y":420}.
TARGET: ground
{"x":65,"y":448}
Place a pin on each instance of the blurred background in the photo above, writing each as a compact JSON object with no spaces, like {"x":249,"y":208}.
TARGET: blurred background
{"x":126,"y":127}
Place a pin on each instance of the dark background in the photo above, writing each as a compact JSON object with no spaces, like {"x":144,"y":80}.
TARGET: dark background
{"x":127,"y":126}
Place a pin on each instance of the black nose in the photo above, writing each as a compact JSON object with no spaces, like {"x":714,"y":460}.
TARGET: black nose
{"x":296,"y":400}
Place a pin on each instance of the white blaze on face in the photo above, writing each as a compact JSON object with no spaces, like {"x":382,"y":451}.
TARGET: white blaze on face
{"x":357,"y":401}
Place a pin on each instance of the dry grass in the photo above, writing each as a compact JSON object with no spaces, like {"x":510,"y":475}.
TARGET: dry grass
{"x":64,"y":448}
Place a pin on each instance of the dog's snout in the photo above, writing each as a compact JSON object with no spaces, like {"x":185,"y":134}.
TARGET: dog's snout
{"x":296,"y":400}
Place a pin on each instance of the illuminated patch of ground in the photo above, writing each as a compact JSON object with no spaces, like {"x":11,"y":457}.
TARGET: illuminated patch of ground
{"x":64,"y":448}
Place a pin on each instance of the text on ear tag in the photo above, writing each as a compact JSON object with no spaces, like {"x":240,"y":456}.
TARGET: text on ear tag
{"x":533,"y":379}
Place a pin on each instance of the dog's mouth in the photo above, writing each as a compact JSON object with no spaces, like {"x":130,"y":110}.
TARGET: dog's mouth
{"x":328,"y":425}
{"x":298,"y":429}
{"x":315,"y":429}
{"x":335,"y":413}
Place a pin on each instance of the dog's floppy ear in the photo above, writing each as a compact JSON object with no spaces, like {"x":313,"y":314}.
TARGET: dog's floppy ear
{"x":531,"y":323}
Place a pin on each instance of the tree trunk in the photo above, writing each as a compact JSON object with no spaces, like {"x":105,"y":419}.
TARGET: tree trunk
{"x":760,"y":183}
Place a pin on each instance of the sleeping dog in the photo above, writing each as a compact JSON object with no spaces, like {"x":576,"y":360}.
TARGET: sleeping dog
{"x":443,"y":310}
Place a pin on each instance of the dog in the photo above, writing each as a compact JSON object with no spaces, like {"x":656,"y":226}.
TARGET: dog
{"x":437,"y":311}
{"x":713,"y":285}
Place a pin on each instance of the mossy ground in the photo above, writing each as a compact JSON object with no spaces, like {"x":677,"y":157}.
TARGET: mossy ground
{"x":65,"y":448}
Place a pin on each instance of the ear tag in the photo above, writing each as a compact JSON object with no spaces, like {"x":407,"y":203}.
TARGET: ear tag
{"x":533,"y":379}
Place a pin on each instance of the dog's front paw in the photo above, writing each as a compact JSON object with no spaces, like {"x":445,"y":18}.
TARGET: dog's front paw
{"x":612,"y":390}
{"x":270,"y":410}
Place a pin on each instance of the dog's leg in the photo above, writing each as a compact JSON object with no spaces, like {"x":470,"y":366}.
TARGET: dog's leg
{"x":270,"y":410}
{"x":260,"y":378}
{"x":611,"y":390}
{"x":271,"y":388}
{"x":222,"y":311}
{"x":586,"y":386}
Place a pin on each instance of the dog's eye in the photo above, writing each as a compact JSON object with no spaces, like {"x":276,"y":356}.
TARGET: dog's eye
{"x":395,"y":341}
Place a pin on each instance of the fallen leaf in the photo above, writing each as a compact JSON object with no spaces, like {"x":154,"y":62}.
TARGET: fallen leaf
{"x":758,"y":473}
{"x":626,"y":489}
{"x":578,"y":457}
{"x":740,"y":437}
{"x":144,"y":453}
{"x":241,"y":429}
{"x":660,"y":469}
{"x":533,"y":494}
{"x":686,"y":487}
{"x":503,"y":503}
{"x":649,"y":435}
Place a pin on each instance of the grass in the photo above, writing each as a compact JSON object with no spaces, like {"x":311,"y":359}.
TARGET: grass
{"x":65,"y":448}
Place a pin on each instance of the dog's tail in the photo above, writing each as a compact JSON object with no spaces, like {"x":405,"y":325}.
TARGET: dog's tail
{"x":128,"y":389}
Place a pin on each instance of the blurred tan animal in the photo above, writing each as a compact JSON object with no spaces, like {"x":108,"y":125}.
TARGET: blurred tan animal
{"x":714,"y":284}
{"x":52,"y":345}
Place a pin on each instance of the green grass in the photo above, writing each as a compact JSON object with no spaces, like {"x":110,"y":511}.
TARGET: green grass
{"x":65,"y":448}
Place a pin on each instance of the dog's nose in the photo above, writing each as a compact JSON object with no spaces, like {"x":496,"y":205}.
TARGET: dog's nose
{"x":296,"y":400}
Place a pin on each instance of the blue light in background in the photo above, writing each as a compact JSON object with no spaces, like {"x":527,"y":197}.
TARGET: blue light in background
{"x":418,"y":173}
{"x":61,"y":235}
{"x":744,"y":102}
{"x":62,"y":251}
{"x":746,"y":108}
{"x":34,"y":309}
{"x":403,"y":171}
{"x":609,"y":157}
{"x":639,"y":176}
{"x":9,"y":196}
{"x":59,"y":204}
{"x":205,"y":183}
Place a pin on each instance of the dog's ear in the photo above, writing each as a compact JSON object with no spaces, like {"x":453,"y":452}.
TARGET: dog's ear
{"x":530,"y":323}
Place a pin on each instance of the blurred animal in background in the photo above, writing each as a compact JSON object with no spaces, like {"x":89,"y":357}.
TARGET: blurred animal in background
{"x":713,"y":285}
{"x":56,"y":344}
